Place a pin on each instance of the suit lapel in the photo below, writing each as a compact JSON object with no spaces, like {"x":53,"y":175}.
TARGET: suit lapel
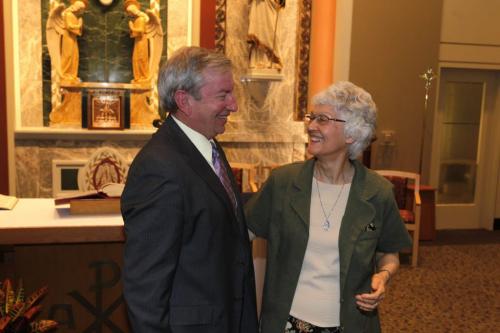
{"x":196,"y":161}
{"x":359,"y":212}
{"x":300,"y":199}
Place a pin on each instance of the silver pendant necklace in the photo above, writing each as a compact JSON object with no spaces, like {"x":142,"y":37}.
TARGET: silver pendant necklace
{"x":326,"y":224}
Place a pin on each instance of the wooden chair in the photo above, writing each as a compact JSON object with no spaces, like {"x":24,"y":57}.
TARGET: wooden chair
{"x":407,"y":193}
{"x":246,"y":176}
{"x":263,"y":172}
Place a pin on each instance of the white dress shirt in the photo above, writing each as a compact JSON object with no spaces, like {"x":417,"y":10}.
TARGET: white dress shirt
{"x":199,"y":141}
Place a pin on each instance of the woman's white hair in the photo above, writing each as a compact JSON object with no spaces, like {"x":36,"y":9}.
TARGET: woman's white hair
{"x":355,"y":105}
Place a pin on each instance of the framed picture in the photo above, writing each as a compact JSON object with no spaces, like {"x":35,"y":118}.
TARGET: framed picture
{"x":105,"y":108}
{"x":65,"y":176}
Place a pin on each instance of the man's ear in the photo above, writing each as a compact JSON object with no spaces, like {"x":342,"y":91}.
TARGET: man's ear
{"x":349,"y":140}
{"x":182,"y":99}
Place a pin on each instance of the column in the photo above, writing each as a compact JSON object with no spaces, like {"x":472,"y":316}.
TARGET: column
{"x":322,"y":45}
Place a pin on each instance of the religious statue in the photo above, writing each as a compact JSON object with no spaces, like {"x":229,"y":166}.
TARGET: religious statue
{"x":63,"y":27}
{"x":262,"y":34}
{"x":146,"y":30}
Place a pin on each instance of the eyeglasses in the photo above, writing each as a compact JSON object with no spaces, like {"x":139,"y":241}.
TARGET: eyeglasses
{"x":321,"y":118}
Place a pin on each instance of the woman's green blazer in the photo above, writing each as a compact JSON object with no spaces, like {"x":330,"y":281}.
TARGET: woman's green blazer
{"x":279,"y":212}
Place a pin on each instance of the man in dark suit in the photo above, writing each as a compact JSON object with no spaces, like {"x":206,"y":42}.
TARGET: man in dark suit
{"x":187,"y":261}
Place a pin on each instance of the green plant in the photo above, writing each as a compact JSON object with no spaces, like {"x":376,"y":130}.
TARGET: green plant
{"x":17,"y":311}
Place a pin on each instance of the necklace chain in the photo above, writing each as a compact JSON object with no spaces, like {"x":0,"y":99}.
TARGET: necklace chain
{"x":326,"y":224}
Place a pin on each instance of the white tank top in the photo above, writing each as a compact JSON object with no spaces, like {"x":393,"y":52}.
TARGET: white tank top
{"x":317,"y":296}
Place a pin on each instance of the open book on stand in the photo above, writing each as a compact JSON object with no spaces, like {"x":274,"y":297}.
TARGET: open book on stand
{"x":106,"y":200}
{"x":109,"y":190}
{"x":7,"y":202}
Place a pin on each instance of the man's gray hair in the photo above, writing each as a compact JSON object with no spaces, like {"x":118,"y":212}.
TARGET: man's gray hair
{"x":183,"y":71}
{"x":355,"y":105}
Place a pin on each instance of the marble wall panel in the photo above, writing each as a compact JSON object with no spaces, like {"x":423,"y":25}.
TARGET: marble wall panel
{"x":34,"y":161}
{"x":105,"y":45}
{"x":30,"y":63}
{"x":27,"y":171}
{"x":177,"y":25}
{"x":265,"y":153}
{"x":34,"y":158}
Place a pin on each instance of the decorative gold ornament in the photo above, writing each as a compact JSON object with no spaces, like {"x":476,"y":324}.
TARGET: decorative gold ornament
{"x":131,"y":2}
{"x":86,"y":2}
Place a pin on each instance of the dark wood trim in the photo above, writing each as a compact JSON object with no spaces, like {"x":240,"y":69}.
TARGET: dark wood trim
{"x":4,"y":156}
{"x":207,"y":24}
{"x":445,"y":62}
{"x":64,"y":234}
{"x":470,"y":44}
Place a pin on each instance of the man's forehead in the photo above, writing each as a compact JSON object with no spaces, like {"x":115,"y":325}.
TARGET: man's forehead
{"x":217,"y":71}
{"x":222,"y":77}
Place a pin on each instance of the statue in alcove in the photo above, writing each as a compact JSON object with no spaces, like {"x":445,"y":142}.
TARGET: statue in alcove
{"x":64,"y":25}
{"x":262,"y":34}
{"x":146,"y":30}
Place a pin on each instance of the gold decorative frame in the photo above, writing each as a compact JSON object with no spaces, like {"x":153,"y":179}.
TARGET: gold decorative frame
{"x":220,"y":25}
{"x":303,"y":49}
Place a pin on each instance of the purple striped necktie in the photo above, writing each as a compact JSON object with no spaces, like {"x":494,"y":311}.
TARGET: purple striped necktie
{"x":221,"y":172}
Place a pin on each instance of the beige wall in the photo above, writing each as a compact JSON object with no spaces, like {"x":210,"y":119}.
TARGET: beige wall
{"x":470,"y":35}
{"x":474,"y":22}
{"x":393,"y":42}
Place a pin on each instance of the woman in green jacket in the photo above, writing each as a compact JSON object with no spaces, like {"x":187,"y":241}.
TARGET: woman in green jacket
{"x":332,"y":225}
